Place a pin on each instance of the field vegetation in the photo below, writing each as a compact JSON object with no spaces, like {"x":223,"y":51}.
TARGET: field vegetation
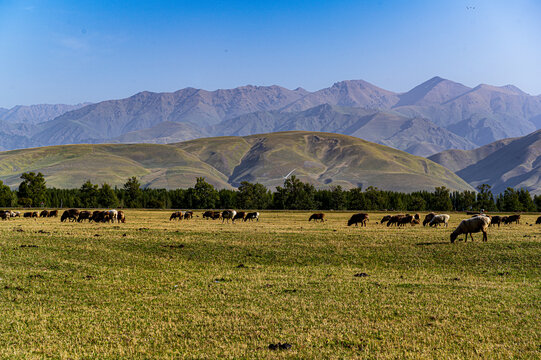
{"x":151,"y":288}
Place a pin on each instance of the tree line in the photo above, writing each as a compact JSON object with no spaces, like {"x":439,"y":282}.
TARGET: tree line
{"x":293,"y":195}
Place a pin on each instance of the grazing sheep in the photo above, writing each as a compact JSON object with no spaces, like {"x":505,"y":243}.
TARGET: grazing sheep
{"x":538,"y":221}
{"x":188,"y":215}
{"x":35,"y":214}
{"x":361,"y":218}
{"x":227,"y":215}
{"x":408,"y":219}
{"x":440,"y":219}
{"x":316,"y":217}
{"x":251,"y":216}
{"x":84,"y":215}
{"x":176,"y":215}
{"x":394,"y":220}
{"x":53,"y":213}
{"x":512,"y":218}
{"x":121,"y":218}
{"x":44,"y":213}
{"x":472,"y":225}
{"x":428,"y":218}
{"x":417,"y":217}
{"x":15,"y":214}
{"x":385,"y":219}
{"x":209,"y":214}
{"x":4,"y":215}
{"x":70,"y":215}
{"x":496,"y":220}
{"x":27,"y":214}
{"x":239,"y":216}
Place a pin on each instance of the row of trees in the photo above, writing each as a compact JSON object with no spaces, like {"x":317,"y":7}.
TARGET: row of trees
{"x":293,"y":195}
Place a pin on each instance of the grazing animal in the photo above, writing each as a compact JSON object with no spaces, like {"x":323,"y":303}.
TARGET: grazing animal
{"x":121,"y":218}
{"x":361,"y":218}
{"x":228,"y":214}
{"x":415,"y":222}
{"x":251,"y":216}
{"x":44,"y":213}
{"x":209,"y":214}
{"x":27,"y":214}
{"x":239,"y":216}
{"x":188,"y":215}
{"x":472,"y":225}
{"x":440,"y":219}
{"x":512,"y":218}
{"x":84,"y":215}
{"x":385,"y":218}
{"x":4,"y":215}
{"x":35,"y":214}
{"x":15,"y":214}
{"x":316,"y":217}
{"x":496,"y":220}
{"x":176,"y":215}
{"x":53,"y":213}
{"x":428,"y":218}
{"x":112,"y":215}
{"x":394,"y":219}
{"x":538,"y":221}
{"x":404,"y":220}
{"x":70,"y":215}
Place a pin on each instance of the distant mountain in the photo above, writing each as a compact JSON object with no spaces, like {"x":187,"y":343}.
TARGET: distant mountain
{"x":416,"y":136}
{"x":506,"y":163}
{"x":114,"y":118}
{"x":35,"y":114}
{"x":352,"y":93}
{"x":320,"y":158}
{"x":436,"y":115}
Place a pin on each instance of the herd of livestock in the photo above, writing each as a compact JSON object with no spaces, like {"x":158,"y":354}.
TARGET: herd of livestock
{"x":479,"y":222}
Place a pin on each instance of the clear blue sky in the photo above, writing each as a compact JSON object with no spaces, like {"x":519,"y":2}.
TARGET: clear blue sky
{"x":75,"y":51}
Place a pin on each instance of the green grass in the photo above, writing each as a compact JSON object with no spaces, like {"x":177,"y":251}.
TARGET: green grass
{"x":151,"y":288}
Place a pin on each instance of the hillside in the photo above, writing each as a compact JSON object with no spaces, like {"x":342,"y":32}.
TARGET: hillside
{"x":320,"y":158}
{"x":506,"y":163}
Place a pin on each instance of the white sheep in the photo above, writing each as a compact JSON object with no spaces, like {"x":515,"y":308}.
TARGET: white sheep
{"x":472,"y":225}
{"x":440,"y":219}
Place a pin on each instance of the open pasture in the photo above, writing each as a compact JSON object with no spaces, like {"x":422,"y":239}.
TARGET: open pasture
{"x":154,"y":288}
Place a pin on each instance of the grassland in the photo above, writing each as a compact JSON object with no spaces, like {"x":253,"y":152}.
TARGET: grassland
{"x":151,"y":288}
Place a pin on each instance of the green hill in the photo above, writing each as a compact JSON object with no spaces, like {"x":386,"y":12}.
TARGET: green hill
{"x":323,"y":159}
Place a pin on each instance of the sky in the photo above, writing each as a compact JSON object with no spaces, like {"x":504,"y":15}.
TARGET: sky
{"x":88,"y":51}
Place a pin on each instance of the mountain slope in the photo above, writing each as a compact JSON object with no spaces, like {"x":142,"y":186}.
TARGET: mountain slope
{"x":320,"y":158}
{"x":35,"y":114}
{"x":508,"y":163}
{"x":416,"y":136}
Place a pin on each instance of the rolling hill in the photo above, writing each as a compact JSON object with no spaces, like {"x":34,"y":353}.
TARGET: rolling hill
{"x":514,"y":162}
{"x":323,"y":159}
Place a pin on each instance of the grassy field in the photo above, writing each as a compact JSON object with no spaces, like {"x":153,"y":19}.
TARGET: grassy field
{"x":151,"y":288}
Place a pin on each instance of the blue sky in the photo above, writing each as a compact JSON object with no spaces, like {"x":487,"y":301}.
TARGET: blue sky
{"x":75,"y":51}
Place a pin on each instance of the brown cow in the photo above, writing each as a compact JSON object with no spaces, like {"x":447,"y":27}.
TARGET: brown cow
{"x":538,"y":221}
{"x":408,"y":219}
{"x":27,"y":214}
{"x":209,"y":214}
{"x":358,"y":218}
{"x":44,"y":213}
{"x":121,"y":218}
{"x":496,"y":220}
{"x":385,"y":219}
{"x":4,"y":215}
{"x":35,"y":214}
{"x":228,"y":214}
{"x":394,"y":220}
{"x":70,"y":215}
{"x":53,"y":213}
{"x":251,"y":216}
{"x":317,"y":216}
{"x":188,"y":215}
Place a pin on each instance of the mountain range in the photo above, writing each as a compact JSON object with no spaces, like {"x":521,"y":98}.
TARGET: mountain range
{"x":434,"y":116}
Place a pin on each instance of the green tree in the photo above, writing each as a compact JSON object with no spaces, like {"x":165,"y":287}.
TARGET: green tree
{"x":295,"y":195}
{"x":525,"y":200}
{"x":509,"y":200}
{"x":107,"y":197}
{"x":6,"y":195}
{"x":32,"y":189}
{"x":203,"y":195}
{"x":88,"y":194}
{"x":132,"y":190}
{"x":485,"y":198}
{"x":442,"y":199}
{"x":253,"y":196}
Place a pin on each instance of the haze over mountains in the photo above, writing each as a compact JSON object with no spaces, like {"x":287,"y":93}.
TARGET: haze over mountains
{"x":434,"y":116}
